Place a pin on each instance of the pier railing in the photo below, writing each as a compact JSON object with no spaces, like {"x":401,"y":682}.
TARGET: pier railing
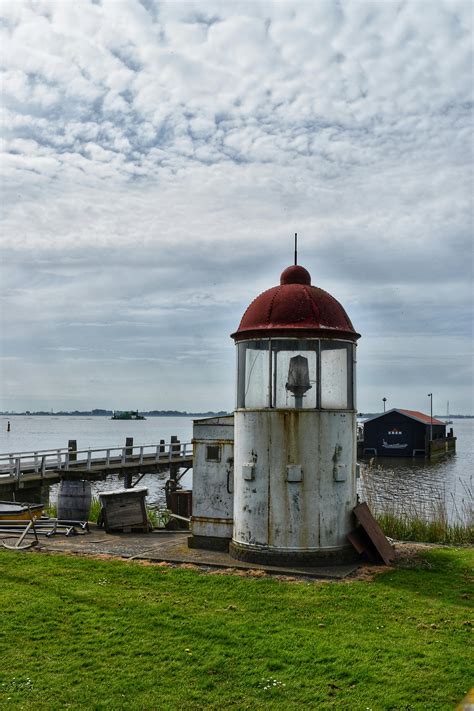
{"x":63,"y":459}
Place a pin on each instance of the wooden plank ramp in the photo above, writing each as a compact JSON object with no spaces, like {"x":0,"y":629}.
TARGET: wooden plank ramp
{"x":368,"y":538}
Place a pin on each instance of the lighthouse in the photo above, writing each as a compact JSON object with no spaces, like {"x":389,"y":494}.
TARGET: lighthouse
{"x":295,"y":444}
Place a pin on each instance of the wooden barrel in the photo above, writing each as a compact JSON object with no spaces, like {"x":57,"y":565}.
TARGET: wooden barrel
{"x":74,"y":500}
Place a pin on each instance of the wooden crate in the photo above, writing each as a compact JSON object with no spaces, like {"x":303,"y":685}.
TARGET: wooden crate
{"x":124,"y":510}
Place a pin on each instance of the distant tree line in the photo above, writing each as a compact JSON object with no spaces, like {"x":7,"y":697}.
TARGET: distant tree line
{"x":98,"y":412}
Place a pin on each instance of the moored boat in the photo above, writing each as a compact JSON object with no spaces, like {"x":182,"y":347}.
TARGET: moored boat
{"x":127,"y":415}
{"x":16,"y":511}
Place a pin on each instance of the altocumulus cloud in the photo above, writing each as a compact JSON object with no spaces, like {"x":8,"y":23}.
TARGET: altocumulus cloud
{"x":157,"y":157}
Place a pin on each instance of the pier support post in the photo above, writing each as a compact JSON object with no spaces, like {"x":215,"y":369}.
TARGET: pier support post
{"x":127,"y":480}
{"x":72,"y":447}
{"x":175,"y":444}
{"x":175,"y":450}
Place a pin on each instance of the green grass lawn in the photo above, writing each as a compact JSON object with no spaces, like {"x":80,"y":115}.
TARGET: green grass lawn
{"x":82,"y":633}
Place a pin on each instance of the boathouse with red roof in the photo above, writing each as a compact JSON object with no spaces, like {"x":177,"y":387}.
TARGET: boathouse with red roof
{"x":406,"y":433}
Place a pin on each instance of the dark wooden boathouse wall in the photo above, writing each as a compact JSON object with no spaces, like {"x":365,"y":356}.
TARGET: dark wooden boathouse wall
{"x":397,"y":435}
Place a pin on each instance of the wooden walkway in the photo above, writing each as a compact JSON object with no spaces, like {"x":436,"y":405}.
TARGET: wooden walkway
{"x":30,"y":469}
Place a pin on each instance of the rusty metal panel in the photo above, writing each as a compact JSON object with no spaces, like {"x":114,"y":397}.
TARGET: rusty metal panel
{"x":374,"y":532}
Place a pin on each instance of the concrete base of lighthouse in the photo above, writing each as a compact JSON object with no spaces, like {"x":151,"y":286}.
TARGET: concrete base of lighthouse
{"x":300,"y":559}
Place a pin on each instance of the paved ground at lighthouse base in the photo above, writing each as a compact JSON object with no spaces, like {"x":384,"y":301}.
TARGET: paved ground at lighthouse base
{"x":171,"y":547}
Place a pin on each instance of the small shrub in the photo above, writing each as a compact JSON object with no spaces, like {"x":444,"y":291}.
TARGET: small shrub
{"x":95,"y":510}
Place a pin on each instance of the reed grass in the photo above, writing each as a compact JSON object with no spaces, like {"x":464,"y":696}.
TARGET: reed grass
{"x":422,"y":522}
{"x":51,"y":510}
{"x":94,"y":510}
{"x":158,"y":517}
{"x":410,"y":527}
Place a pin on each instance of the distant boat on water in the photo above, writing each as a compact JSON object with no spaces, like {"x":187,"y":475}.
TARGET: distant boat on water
{"x":127,"y":415}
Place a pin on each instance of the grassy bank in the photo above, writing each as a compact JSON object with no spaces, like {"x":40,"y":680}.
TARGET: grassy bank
{"x":91,"y":634}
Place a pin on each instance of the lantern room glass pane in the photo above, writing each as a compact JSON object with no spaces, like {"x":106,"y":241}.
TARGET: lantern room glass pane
{"x":296,"y":374}
{"x":294,"y":366}
{"x":336,"y":375}
{"x":253,"y":374}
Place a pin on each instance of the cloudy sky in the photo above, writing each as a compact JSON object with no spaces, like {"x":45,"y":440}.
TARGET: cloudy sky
{"x":158,"y":157}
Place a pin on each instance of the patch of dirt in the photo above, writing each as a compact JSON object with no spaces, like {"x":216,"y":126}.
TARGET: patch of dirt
{"x":366,"y":572}
{"x":151,"y":563}
{"x":189,"y":566}
{"x":256,"y":573}
{"x":410,"y":555}
{"x":407,"y":555}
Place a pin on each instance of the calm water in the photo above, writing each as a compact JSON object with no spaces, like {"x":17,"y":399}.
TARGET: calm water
{"x":392,"y":482}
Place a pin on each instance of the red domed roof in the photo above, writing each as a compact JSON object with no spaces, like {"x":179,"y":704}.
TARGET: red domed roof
{"x":295,"y":308}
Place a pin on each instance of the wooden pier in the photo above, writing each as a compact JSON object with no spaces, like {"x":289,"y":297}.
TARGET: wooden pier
{"x":30,"y":471}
